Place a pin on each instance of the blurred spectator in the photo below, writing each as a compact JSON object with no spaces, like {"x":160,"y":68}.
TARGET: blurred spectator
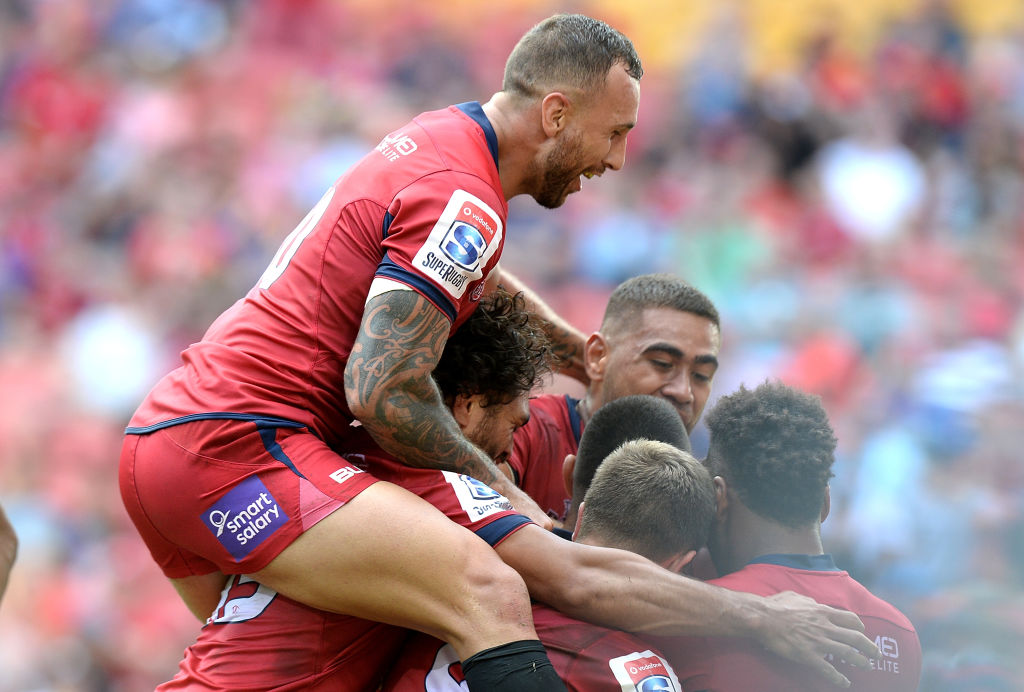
{"x":847,"y":186}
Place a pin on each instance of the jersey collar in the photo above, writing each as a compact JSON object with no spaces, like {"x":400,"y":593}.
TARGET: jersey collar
{"x":814,"y":563}
{"x":474,"y":110}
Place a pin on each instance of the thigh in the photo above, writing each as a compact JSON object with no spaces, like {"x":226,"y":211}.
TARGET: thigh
{"x":389,"y":556}
{"x":226,"y":495}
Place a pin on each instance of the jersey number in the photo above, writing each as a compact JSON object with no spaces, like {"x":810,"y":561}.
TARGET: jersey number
{"x":243,"y":599}
{"x":291,"y":244}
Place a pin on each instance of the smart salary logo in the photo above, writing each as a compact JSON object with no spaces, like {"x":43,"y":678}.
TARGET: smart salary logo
{"x":245,"y":517}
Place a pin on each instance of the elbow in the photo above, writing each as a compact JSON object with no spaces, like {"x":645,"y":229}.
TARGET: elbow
{"x":577,"y":596}
{"x":355,"y":393}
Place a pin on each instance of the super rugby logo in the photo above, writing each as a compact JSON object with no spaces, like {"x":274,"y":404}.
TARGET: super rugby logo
{"x":245,"y":517}
{"x":478,"y":490}
{"x":476,"y":498}
{"x":464,"y":244}
{"x":461,"y":243}
{"x":644,"y":671}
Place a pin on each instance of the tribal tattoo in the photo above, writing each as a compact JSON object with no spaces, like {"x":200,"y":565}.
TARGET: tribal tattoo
{"x":388,"y":379}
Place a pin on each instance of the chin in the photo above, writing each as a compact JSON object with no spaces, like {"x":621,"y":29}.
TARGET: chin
{"x":549,"y":203}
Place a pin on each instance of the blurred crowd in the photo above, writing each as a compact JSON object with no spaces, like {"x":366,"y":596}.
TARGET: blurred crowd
{"x":856,"y":213}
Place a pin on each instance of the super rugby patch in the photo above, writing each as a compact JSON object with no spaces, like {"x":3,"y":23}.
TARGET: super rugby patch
{"x":477,"y":499}
{"x":644,"y":671}
{"x":461,"y":243}
{"x":245,"y":517}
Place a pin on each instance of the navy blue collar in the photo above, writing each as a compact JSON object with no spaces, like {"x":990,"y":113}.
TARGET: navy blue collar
{"x":816,"y":563}
{"x":475,"y":111}
{"x":562,"y":533}
{"x":575,"y":422}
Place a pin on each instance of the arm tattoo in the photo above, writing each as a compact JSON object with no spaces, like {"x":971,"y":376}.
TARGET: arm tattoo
{"x":565,"y":348}
{"x":388,"y":380}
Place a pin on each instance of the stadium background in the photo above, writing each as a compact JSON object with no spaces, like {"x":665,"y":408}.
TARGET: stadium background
{"x":844,"y":179}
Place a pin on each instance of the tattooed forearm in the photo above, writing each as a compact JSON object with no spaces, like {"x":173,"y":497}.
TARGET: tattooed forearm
{"x":567,"y":342}
{"x":566,"y":346}
{"x":390,"y":390}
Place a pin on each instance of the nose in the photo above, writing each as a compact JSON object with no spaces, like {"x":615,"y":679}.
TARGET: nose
{"x":616,"y":157}
{"x":679,"y":389}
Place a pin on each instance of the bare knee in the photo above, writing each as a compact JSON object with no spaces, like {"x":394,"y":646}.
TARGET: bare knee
{"x":496,"y":607}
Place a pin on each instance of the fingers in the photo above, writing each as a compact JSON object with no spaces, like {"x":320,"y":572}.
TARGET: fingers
{"x":828,"y":671}
{"x":856,"y":649}
{"x":820,"y":637}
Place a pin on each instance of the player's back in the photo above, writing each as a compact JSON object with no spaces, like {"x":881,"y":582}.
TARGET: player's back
{"x":716,"y":664}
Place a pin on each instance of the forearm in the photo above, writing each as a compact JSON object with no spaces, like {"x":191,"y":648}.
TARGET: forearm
{"x":566,"y":340}
{"x":623,"y":590}
{"x":425,"y":435}
{"x":390,"y":390}
{"x":620,"y":589}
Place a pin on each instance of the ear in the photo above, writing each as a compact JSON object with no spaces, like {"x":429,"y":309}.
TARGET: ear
{"x":595,"y":356}
{"x":579,"y":520}
{"x":826,"y":506}
{"x":555,"y":109}
{"x":679,"y":561}
{"x":568,"y":466}
{"x":462,"y":407}
{"x":721,"y":497}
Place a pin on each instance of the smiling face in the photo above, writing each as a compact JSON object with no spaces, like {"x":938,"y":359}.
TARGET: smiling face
{"x":663,"y":352}
{"x":591,"y":139}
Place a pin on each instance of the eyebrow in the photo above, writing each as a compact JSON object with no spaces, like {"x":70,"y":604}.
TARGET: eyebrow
{"x":675,"y":352}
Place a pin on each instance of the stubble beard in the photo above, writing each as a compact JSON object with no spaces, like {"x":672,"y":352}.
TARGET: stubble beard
{"x":561,"y":168}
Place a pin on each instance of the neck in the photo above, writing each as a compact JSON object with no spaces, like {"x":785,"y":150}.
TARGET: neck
{"x":584,"y":407}
{"x":751,"y":536}
{"x":515,"y":151}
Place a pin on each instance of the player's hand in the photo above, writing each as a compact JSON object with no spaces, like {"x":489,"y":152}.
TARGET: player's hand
{"x":802,"y":630}
{"x":523,"y":503}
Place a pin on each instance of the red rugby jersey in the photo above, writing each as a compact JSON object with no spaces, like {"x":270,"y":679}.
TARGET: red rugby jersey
{"x":424,"y":208}
{"x":540,"y":447}
{"x":725,"y":664}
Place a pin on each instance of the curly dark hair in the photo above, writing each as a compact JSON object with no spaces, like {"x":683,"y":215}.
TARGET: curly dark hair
{"x":500,"y":352}
{"x":775,"y":447}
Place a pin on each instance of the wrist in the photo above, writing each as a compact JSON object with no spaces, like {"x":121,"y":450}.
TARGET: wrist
{"x":747,"y":615}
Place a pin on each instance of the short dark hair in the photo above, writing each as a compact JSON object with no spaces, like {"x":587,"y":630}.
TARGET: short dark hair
{"x":775,"y":448}
{"x":567,"y":50}
{"x":650,"y":498}
{"x":639,"y":293}
{"x":639,"y":416}
{"x":500,"y":352}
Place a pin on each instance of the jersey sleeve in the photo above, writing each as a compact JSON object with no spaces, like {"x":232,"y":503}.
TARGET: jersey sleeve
{"x":442,"y":236}
{"x":478,"y":507}
{"x":463,"y":499}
